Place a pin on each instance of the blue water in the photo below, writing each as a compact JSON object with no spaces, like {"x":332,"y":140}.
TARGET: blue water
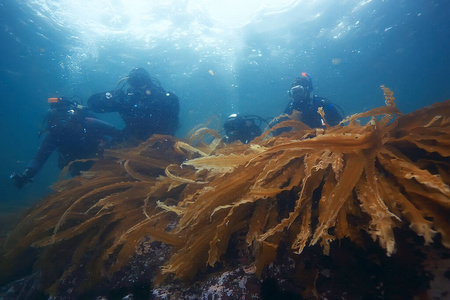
{"x":218,"y":58}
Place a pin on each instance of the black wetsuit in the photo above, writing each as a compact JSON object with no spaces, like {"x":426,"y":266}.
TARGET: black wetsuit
{"x":76,"y":137}
{"x":145,"y":111}
{"x":242,"y":128}
{"x":245,"y":134}
{"x":311,"y":117}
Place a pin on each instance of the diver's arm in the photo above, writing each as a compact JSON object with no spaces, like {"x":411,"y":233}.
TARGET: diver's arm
{"x":290,"y":108}
{"x":103,"y":128}
{"x":110,"y":101}
{"x":34,"y":166}
{"x":288,"y":113}
{"x":332,"y":114}
{"x":168,"y":114}
{"x":43,"y":153}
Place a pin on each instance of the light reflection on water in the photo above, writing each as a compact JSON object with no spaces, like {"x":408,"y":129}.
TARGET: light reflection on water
{"x":198,"y":23}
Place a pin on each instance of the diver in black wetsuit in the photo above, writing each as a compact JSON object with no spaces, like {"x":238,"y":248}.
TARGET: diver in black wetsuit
{"x":303,"y":101}
{"x":74,"y":134}
{"x":146,"y":107}
{"x":242,"y":128}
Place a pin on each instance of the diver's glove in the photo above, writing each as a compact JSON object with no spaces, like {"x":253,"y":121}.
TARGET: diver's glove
{"x":21,"y":179}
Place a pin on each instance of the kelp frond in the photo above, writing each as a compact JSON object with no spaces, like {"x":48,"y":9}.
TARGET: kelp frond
{"x":340,"y":182}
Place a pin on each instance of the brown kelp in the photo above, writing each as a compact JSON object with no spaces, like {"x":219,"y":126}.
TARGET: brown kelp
{"x":342,"y":181}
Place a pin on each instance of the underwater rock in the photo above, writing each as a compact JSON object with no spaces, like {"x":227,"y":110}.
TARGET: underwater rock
{"x":28,"y":287}
{"x":348,"y":273}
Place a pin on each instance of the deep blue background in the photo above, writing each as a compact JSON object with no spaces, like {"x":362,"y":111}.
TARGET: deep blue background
{"x":401,"y":44}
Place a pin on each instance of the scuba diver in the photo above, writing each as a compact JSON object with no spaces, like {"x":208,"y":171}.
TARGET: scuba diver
{"x":303,"y":101}
{"x":73,"y":133}
{"x":242,"y":128}
{"x":145,"y":107}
